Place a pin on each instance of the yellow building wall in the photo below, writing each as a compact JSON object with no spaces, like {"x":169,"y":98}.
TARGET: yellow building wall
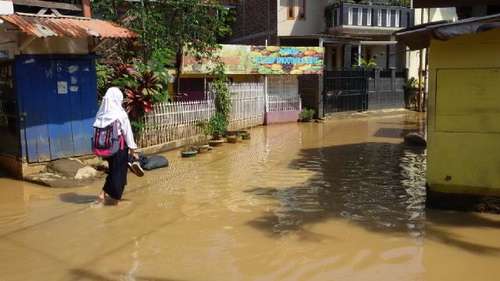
{"x":464,"y":115}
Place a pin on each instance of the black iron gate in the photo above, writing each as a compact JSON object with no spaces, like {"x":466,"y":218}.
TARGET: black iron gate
{"x":345,"y":90}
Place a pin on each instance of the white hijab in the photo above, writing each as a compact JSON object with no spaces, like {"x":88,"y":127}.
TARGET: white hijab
{"x":111,"y":108}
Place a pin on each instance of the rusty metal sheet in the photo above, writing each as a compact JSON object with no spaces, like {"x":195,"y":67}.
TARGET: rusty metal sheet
{"x":47,"y":26}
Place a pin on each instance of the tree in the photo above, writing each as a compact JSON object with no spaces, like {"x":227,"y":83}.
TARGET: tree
{"x":175,"y":25}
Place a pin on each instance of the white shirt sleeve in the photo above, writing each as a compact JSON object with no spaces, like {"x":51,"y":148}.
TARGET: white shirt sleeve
{"x":126,"y":130}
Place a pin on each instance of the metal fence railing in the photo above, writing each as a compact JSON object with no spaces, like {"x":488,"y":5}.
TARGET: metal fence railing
{"x":363,"y":89}
{"x":277,"y":103}
{"x":171,"y":121}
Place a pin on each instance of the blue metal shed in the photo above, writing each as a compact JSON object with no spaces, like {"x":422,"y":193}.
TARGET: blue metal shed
{"x":57,"y":103}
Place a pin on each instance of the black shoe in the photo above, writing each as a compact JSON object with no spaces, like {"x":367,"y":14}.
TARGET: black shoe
{"x":136,"y":169}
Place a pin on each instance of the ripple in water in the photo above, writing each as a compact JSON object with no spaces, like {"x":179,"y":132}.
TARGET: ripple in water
{"x":380,"y":186}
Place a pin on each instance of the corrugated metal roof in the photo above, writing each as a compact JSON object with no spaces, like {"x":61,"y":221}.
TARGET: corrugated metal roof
{"x":46,"y":26}
{"x":419,"y":37}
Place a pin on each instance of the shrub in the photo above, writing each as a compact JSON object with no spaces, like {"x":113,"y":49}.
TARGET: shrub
{"x":217,"y":125}
{"x":306,"y":114}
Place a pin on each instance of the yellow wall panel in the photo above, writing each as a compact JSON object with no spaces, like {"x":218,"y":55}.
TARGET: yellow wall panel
{"x":463,"y":152}
{"x":464,"y":163}
{"x":468,"y":100}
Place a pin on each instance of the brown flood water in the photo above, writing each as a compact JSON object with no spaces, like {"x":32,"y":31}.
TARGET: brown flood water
{"x":339,"y":200}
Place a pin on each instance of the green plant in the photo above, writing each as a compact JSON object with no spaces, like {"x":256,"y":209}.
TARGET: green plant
{"x":245,"y":135}
{"x":137,"y":126}
{"x":143,"y":82}
{"x":217,"y":125}
{"x":194,"y":25}
{"x":232,"y":139}
{"x":402,"y":3}
{"x":204,"y":126}
{"x":410,"y":88}
{"x":189,"y":148}
{"x":411,"y":84}
{"x":103,"y":71}
{"x":223,"y":95}
{"x":306,"y":114}
{"x":362,"y":63}
{"x":141,"y":90}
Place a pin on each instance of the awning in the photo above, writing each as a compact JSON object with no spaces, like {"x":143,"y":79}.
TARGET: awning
{"x":66,"y":26}
{"x":420,"y":36}
{"x":450,"y":3}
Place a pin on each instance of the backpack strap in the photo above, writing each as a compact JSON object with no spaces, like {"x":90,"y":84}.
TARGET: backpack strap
{"x":122,"y":142}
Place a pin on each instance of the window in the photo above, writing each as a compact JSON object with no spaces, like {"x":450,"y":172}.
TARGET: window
{"x":384,"y":18}
{"x":398,"y":19}
{"x":291,"y":10}
{"x":364,"y":18}
{"x":355,"y":16}
{"x":298,"y":6}
{"x":302,"y":9}
{"x":393,"y":18}
{"x":336,"y":17}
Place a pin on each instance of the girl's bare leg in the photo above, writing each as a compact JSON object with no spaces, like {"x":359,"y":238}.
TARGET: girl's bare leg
{"x":102,"y":195}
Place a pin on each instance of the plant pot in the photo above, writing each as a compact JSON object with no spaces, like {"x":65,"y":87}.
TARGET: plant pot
{"x":187,"y":154}
{"x":245,"y":136}
{"x":233,"y":133}
{"x":203,"y":148}
{"x":215,"y":142}
{"x":232,"y":139}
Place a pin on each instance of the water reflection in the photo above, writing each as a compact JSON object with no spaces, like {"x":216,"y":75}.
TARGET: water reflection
{"x":379,"y":185}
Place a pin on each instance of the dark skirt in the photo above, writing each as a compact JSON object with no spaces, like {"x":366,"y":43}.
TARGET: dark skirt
{"x":117,"y":177}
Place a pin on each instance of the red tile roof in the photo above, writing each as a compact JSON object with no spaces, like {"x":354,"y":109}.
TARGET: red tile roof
{"x":46,"y":26}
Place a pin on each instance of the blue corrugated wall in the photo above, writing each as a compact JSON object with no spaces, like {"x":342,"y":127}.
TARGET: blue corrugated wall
{"x":57,"y":99}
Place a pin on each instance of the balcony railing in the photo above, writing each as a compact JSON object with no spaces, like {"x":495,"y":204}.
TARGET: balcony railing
{"x":69,"y":5}
{"x":346,"y":14}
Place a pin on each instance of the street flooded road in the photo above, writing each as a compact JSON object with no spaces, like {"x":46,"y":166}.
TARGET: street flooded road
{"x":337,"y":200}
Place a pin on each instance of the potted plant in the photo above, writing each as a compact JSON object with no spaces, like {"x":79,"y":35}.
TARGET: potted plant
{"x":189,"y":151}
{"x":410,"y":88}
{"x":245,"y":136}
{"x":201,"y":146}
{"x":217,"y":125}
{"x":205,"y":129}
{"x":232,"y":139}
{"x":306,"y":115}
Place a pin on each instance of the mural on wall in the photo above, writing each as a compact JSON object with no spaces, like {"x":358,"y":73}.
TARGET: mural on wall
{"x":235,"y":58}
{"x":240,"y":59}
{"x":286,"y":60}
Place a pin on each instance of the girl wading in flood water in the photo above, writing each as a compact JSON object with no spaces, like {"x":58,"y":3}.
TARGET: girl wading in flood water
{"x":111,"y":109}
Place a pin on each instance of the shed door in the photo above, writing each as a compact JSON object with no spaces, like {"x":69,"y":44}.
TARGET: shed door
{"x":58,"y":102}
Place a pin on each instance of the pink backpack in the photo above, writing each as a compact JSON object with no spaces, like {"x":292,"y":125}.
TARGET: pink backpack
{"x":106,"y":141}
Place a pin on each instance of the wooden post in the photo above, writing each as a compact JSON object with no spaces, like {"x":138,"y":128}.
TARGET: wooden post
{"x":419,"y":97}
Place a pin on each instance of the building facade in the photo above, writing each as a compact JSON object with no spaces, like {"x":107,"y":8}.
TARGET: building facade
{"x":350,"y":32}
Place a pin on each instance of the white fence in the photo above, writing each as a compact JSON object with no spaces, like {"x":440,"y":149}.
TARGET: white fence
{"x":248,"y":105}
{"x":173,"y":121}
{"x":177,"y":120}
{"x":277,"y":103}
